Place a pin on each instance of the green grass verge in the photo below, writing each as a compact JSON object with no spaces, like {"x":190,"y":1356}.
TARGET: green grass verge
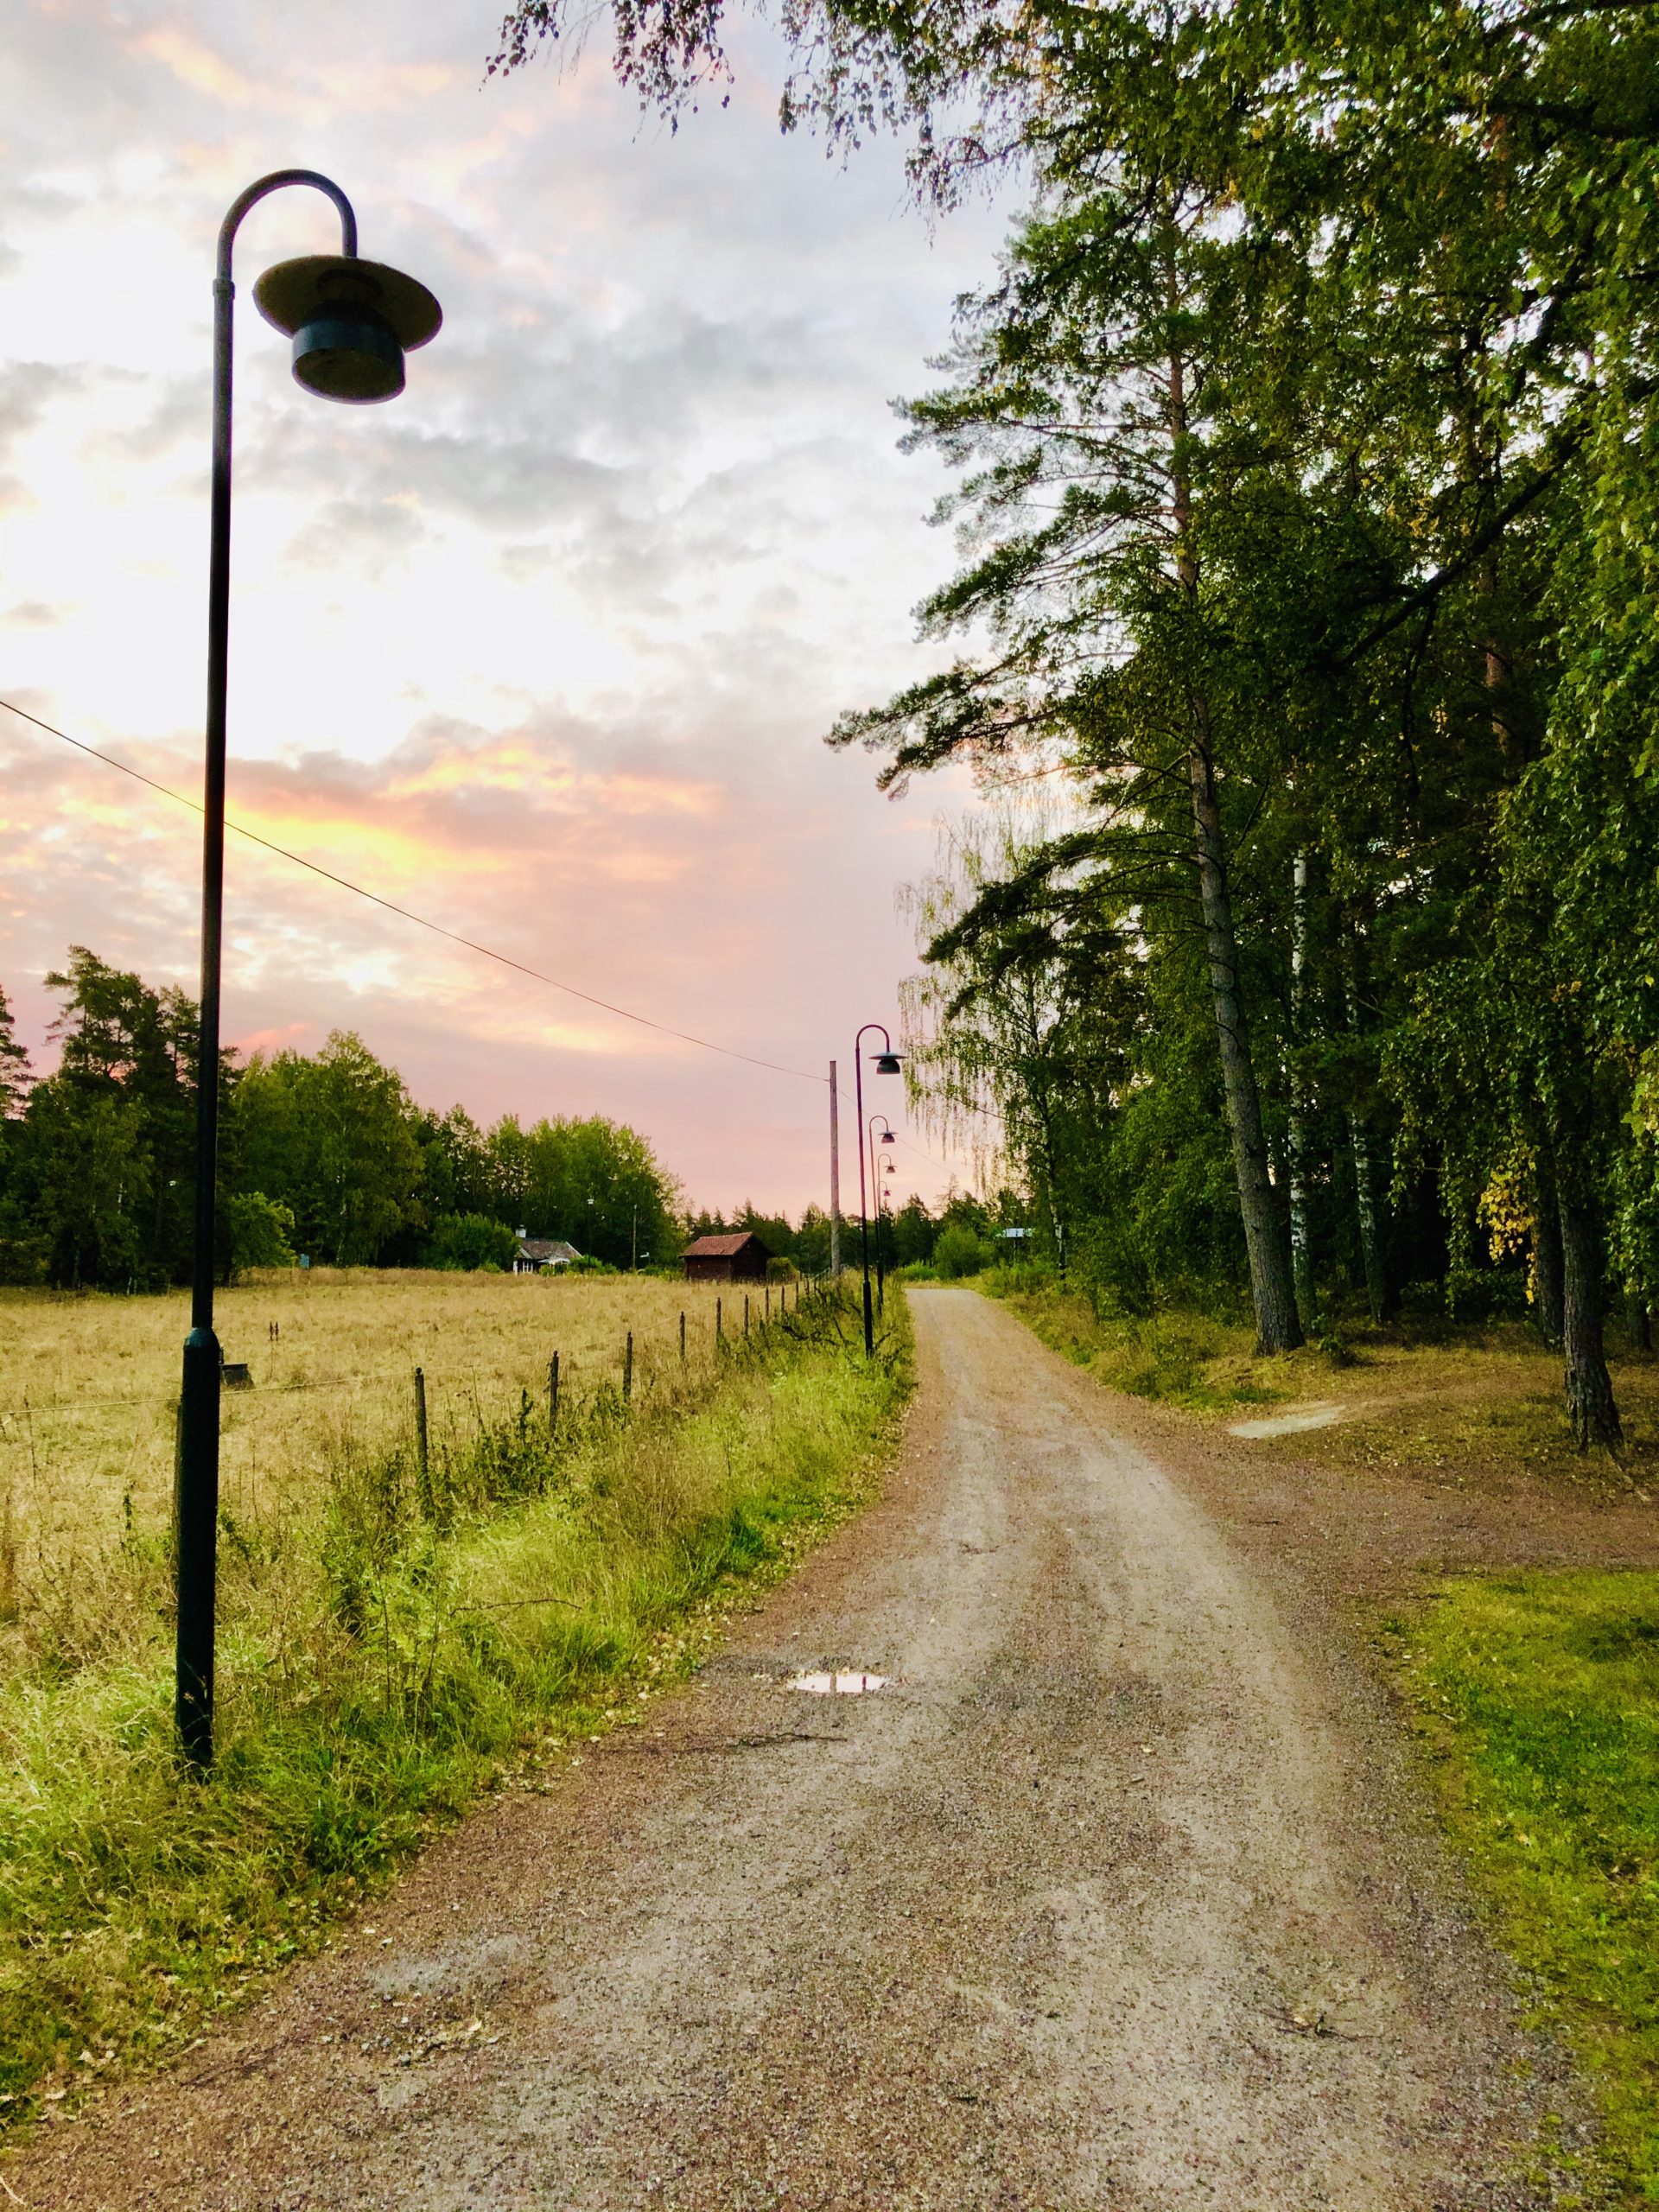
{"x":1539,"y":1694}
{"x":377,"y":1669}
{"x":1181,"y":1359}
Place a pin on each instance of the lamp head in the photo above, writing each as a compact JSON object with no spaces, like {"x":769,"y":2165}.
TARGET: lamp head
{"x":352,"y":323}
{"x":887,"y":1063}
{"x":887,"y":1137}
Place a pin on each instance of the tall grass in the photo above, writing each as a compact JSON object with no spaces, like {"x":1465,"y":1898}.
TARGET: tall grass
{"x":383,"y":1652}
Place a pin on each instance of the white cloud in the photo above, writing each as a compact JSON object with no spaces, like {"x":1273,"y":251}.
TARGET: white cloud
{"x":639,"y":509}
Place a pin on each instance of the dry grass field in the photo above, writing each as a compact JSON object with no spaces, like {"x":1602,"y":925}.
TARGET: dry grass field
{"x":88,"y":1383}
{"x":392,"y":1629}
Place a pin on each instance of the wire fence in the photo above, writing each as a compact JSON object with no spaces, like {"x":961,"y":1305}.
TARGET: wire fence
{"x":764,"y":1296}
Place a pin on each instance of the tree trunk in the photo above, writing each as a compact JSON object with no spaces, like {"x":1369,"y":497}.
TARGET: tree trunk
{"x":1272,"y":1292}
{"x":1277,"y":1327}
{"x":1301,"y":1252}
{"x":1370,"y":1221}
{"x":1638,"y":1322}
{"x":1369,"y":1202}
{"x":1546,"y":1290}
{"x":1589,"y":1387}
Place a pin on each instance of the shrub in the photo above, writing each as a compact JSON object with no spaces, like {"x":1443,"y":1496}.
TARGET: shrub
{"x":961,"y":1251}
{"x":260,"y":1232}
{"x":471,"y":1240}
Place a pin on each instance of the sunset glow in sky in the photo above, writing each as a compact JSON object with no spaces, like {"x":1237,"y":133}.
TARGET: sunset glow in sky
{"x":546,"y":648}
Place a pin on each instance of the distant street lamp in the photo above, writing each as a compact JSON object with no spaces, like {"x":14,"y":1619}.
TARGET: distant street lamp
{"x":871,"y":1139}
{"x":352,"y":321}
{"x":886,"y":1063}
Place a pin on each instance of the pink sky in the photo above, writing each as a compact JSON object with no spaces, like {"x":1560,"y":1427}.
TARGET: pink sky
{"x":546,"y":648}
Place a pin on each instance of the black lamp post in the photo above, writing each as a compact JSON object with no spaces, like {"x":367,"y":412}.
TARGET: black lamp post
{"x":885,"y":1138}
{"x":886,"y":1063}
{"x":351,"y":322}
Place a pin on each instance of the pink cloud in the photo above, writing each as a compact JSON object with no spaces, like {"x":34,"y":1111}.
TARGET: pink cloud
{"x":713,"y":901}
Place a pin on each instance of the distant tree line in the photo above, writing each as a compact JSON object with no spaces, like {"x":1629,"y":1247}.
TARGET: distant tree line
{"x":323,"y":1153}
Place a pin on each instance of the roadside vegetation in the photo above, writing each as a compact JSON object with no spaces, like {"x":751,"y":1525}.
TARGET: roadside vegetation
{"x":1539,"y":1697}
{"x":1455,"y":1402}
{"x":395,"y":1636}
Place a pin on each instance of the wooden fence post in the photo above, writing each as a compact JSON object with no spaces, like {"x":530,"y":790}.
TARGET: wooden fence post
{"x":627,"y":1370}
{"x":720,"y":1325}
{"x":420,"y":1459}
{"x":746,"y":1312}
{"x":681,"y":1336}
{"x":553,"y":1392}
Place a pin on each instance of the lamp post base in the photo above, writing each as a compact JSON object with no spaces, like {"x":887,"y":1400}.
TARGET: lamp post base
{"x":195,"y":1528}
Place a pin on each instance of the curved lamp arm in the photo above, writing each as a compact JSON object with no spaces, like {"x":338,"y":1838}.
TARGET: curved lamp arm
{"x":261,"y":190}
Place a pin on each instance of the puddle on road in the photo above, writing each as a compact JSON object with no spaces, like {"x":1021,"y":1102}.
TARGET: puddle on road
{"x":1291,"y":1423}
{"x":847,"y":1684}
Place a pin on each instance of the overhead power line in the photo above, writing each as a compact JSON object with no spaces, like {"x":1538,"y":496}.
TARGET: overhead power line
{"x":437,"y":929}
{"x":407,"y":914}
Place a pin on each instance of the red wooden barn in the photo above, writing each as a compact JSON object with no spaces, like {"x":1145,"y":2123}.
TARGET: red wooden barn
{"x":739,"y":1256}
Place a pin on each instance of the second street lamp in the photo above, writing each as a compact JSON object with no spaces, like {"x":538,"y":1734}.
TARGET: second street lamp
{"x":883,"y":1215}
{"x":352,"y":321}
{"x":886,"y":1063}
{"x":876,"y":1165}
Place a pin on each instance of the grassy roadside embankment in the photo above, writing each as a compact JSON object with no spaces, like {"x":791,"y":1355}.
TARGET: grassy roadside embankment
{"x":384,"y":1657}
{"x":1459,"y":1404}
{"x":1535,"y":1695}
{"x":1538,"y":1698}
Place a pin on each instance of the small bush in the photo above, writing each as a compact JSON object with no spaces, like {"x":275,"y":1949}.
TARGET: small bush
{"x":471,"y":1241}
{"x":260,"y":1232}
{"x":960,"y":1251}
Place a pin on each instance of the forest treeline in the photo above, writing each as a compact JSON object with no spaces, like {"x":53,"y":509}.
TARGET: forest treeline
{"x":327,"y":1155}
{"x":324,"y":1154}
{"x":1306,"y":443}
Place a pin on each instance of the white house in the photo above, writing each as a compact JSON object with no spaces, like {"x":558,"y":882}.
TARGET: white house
{"x":543,"y":1255}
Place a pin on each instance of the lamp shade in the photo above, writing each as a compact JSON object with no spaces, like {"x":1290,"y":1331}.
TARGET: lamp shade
{"x":352,"y":321}
{"x":887,"y":1063}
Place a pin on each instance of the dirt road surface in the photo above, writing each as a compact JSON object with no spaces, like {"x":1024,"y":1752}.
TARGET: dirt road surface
{"x":1116,"y":1896}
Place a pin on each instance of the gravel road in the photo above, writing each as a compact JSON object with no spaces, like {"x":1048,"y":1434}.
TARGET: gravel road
{"x":1117,"y":1895}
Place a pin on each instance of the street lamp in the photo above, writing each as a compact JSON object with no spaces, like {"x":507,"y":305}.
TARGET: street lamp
{"x":886,"y":1063}
{"x":871,"y":1139}
{"x":352,"y":321}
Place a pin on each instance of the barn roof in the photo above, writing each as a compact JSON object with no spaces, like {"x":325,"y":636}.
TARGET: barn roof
{"x":726,"y":1247}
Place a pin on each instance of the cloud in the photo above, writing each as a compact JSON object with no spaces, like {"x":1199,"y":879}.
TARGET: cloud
{"x":28,"y":389}
{"x":365,"y":538}
{"x":545,"y":649}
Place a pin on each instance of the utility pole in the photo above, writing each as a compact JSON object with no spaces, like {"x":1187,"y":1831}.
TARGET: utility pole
{"x":834,"y":1181}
